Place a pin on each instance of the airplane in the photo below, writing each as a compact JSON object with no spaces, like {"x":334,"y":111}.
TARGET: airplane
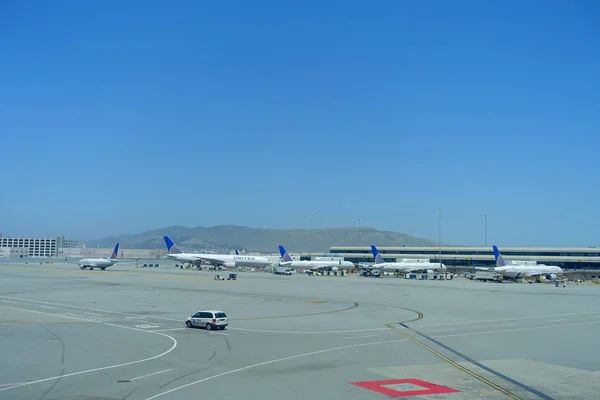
{"x":226,"y":260}
{"x":381,"y":264}
{"x":514,"y":271}
{"x":313,"y":265}
{"x":101,"y":263}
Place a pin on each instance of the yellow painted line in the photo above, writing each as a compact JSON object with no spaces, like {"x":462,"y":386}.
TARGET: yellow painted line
{"x":460,"y":367}
{"x":419,"y":315}
{"x":296,"y":315}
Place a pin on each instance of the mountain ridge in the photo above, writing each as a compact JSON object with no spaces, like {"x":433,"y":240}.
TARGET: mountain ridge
{"x":225,"y":238}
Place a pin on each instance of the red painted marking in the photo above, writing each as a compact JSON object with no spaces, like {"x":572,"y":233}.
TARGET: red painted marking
{"x":428,"y":388}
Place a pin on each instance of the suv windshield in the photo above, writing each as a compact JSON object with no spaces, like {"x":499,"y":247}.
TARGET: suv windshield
{"x":220,"y":315}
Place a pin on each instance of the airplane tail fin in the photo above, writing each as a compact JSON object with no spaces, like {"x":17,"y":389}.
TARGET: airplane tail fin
{"x":285,"y":257}
{"x":171,"y":246}
{"x":115,"y":252}
{"x":499,"y":259}
{"x":237,"y":253}
{"x":377,"y":255}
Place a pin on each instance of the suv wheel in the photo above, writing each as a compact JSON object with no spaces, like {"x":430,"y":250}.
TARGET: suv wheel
{"x":208,"y":327}
{"x":188,"y":324}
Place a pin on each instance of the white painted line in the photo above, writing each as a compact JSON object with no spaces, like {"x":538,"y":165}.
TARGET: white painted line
{"x":86,"y":308}
{"x":417,"y":325}
{"x":360,"y":337}
{"x":310,"y":333}
{"x":272,"y":362}
{"x":148,"y":326}
{"x":496,"y":326}
{"x":168,"y":330}
{"x":551,"y":317}
{"x":348,"y":347}
{"x":93,"y":314}
{"x":11,"y":384}
{"x":531,"y":328}
{"x":51,"y":308}
{"x":95,"y":369}
{"x":442,"y":330}
{"x":154,"y":373}
{"x":11,"y":302}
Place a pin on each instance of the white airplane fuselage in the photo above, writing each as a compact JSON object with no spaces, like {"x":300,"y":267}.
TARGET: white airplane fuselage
{"x":408,"y":266}
{"x":317,"y":265}
{"x":226,"y":260}
{"x":96,"y":263}
{"x":523,"y":271}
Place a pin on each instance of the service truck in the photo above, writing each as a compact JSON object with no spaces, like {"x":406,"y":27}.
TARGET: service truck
{"x":486,"y":276}
{"x":282,"y":271}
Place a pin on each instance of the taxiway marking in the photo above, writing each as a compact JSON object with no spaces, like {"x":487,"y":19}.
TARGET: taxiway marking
{"x":94,"y":369}
{"x":152,"y":374}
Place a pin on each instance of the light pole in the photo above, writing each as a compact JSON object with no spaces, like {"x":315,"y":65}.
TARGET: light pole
{"x":359,"y":239}
{"x":310,"y":244}
{"x":440,"y":235}
{"x":485,"y":218}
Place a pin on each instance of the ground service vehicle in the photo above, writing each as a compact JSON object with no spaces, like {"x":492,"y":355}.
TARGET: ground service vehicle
{"x":282,"y":271}
{"x":210,"y":319}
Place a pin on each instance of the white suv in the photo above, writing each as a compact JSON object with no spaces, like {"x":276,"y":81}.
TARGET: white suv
{"x":212,"y":319}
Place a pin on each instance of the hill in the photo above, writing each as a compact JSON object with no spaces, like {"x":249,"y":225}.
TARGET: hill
{"x":225,"y":238}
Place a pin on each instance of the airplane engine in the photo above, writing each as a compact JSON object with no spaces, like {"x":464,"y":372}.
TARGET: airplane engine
{"x":334,"y":268}
{"x":430,"y":271}
{"x":551,"y":277}
{"x":229,"y":264}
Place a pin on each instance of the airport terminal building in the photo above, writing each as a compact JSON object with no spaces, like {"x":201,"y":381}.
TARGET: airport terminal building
{"x":35,"y":247}
{"x":567,"y":258}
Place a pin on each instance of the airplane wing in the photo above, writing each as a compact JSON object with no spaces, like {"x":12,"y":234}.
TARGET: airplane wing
{"x":208,"y":258}
{"x":413,"y":269}
{"x":533,"y":273}
{"x":322,"y":267}
{"x":128,"y":262}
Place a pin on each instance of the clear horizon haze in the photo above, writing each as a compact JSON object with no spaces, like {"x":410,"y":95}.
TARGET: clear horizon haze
{"x":122,"y":117}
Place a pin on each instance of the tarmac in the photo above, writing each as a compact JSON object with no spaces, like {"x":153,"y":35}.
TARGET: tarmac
{"x":119,"y":334}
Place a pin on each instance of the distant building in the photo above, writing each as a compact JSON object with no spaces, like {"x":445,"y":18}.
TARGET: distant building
{"x":102,"y":252}
{"x":63,"y":243}
{"x":36,"y":247}
{"x":565,"y":257}
{"x":12,"y":252}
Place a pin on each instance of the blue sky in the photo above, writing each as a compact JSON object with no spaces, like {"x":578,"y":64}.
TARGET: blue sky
{"x":118,"y":117}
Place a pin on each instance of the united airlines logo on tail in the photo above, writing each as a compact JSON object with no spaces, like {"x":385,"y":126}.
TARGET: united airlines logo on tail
{"x":377,"y":255}
{"x":499,"y":259}
{"x":174,"y":249}
{"x":171,"y":246}
{"x":115,"y":252}
{"x":285,"y":257}
{"x":501,"y":262}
